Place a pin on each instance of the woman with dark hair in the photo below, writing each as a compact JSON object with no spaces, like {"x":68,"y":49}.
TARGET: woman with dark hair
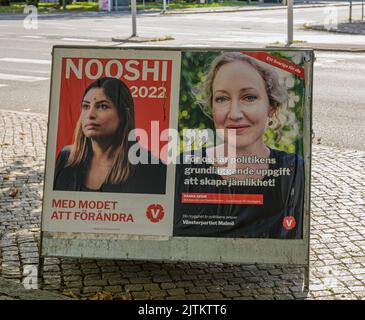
{"x":98,"y":159}
{"x":242,"y":97}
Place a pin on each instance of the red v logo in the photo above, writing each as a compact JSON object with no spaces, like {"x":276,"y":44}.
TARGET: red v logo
{"x":155,"y":213}
{"x":289,"y":223}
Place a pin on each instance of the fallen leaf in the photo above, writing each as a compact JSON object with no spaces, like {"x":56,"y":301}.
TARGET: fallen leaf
{"x":105,"y":295}
{"x":93,"y":297}
{"x":70,"y":294}
{"x":13,"y":192}
{"x":6,"y":178}
{"x":100,"y":295}
{"x":121,"y":297}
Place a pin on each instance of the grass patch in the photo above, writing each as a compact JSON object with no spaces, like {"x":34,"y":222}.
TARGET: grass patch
{"x":168,"y":37}
{"x":184,"y":5}
{"x":83,"y":6}
{"x":307,"y":26}
{"x":13,"y":8}
{"x":51,"y":7}
{"x":94,"y":6}
{"x":278,"y":43}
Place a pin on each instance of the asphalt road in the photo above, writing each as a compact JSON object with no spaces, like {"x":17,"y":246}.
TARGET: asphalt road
{"x":338,"y":110}
{"x":338,"y":99}
{"x":208,"y":28}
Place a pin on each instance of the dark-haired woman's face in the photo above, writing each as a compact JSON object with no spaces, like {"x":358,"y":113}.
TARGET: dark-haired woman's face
{"x":99,"y":115}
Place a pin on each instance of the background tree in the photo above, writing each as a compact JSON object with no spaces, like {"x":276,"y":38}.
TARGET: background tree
{"x":4,"y":2}
{"x":32,"y":3}
{"x":64,"y":3}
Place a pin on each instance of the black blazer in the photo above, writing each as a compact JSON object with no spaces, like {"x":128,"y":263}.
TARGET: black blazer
{"x":145,"y":178}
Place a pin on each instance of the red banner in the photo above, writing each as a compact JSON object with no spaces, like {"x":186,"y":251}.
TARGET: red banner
{"x":277,"y":62}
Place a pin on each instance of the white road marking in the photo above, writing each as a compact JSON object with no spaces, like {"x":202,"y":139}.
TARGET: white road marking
{"x":32,"y":37}
{"x":106,"y":30}
{"x":32,"y":61}
{"x":327,"y":61}
{"x":340,"y":55}
{"x":65,"y":28}
{"x":76,"y":39}
{"x":356,"y":69}
{"x":20,"y":77}
{"x":19,"y":70}
{"x":3,"y":85}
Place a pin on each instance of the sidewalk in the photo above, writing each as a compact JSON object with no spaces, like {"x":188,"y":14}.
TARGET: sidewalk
{"x":337,"y":236}
{"x":223,"y":9}
{"x":258,"y":7}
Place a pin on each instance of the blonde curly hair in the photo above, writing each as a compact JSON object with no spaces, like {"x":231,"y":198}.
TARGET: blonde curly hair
{"x":276,"y":92}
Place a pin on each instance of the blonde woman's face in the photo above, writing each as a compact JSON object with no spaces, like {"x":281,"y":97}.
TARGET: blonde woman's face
{"x":240,"y":103}
{"x":99,"y":115}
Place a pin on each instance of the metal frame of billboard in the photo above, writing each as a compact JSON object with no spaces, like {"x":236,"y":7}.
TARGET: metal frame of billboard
{"x":192,"y":249}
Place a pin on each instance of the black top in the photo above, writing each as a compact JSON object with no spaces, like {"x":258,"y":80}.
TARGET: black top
{"x":243,"y":221}
{"x":145,"y":178}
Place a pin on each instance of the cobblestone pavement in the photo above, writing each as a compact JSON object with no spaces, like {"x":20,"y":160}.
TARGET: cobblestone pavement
{"x":337,"y":236}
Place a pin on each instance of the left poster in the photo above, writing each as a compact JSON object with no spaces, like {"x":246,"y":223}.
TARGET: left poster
{"x":106,"y":166}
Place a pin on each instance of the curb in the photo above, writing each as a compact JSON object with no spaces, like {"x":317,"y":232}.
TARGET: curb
{"x":323,"y":47}
{"x":137,"y":39}
{"x":331,"y":47}
{"x":238,"y":9}
{"x":321,"y":28}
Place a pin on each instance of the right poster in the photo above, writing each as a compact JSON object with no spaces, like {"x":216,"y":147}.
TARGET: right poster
{"x":240,"y":173}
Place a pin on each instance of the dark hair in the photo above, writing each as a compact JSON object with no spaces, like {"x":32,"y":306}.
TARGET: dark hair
{"x":118,"y":92}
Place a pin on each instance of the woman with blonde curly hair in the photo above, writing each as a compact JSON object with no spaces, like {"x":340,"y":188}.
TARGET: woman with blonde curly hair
{"x":242,"y":96}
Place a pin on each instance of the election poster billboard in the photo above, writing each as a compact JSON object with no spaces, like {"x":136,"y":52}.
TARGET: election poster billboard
{"x":103,"y":109}
{"x":250,"y":183}
{"x":179,"y":154}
